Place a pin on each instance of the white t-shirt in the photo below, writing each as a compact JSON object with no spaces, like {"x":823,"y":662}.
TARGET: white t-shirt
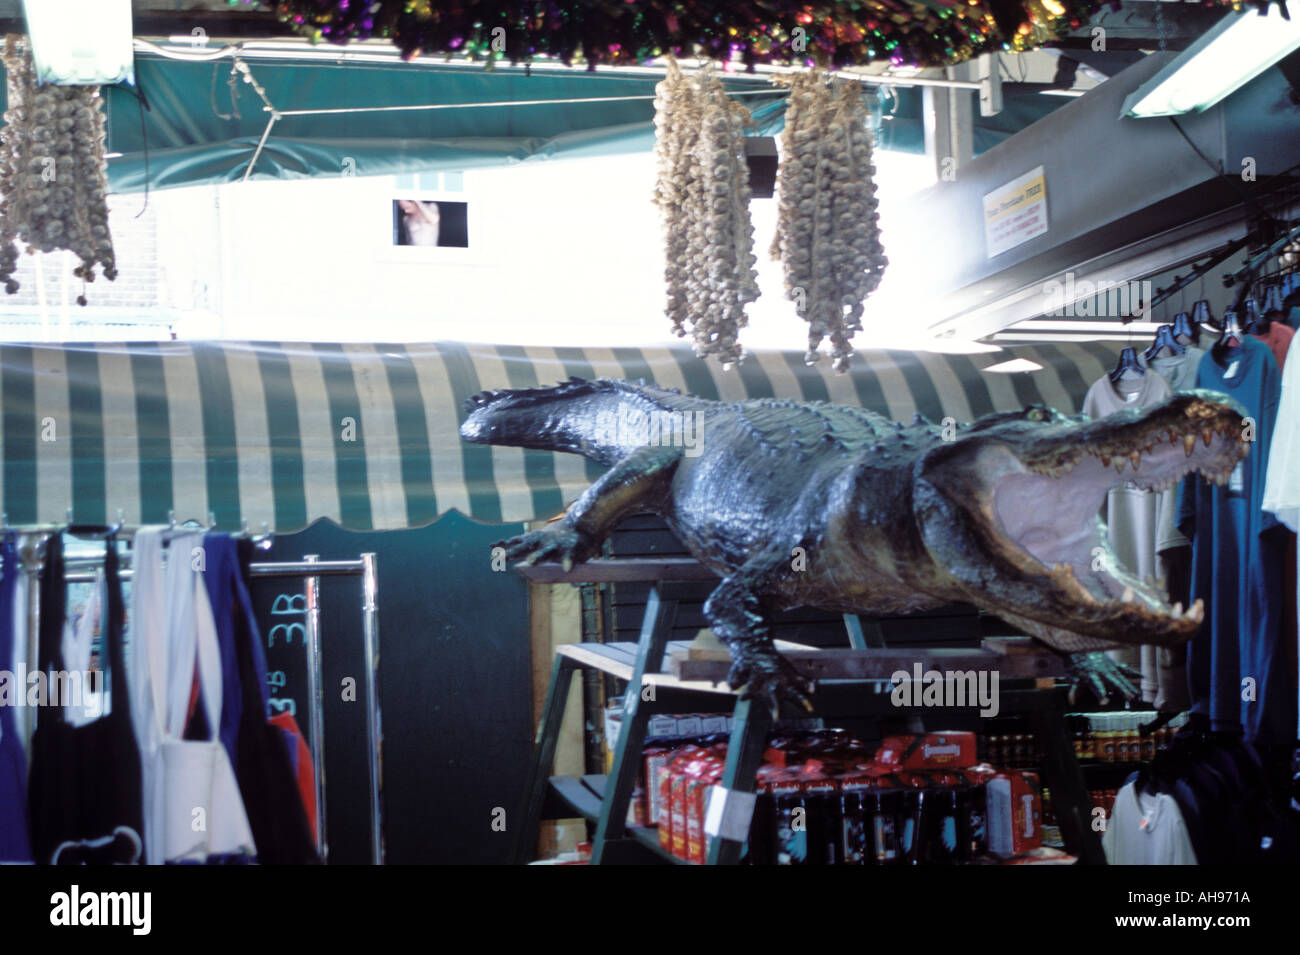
{"x":1146,"y":830}
{"x":1282,"y":484}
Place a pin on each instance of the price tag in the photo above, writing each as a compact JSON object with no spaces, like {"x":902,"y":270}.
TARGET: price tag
{"x":729,"y":813}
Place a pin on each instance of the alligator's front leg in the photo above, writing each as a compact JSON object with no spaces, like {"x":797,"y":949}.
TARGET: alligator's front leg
{"x":739,"y":619}
{"x":638,"y":481}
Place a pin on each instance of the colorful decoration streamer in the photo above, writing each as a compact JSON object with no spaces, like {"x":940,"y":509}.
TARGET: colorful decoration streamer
{"x":835,"y":34}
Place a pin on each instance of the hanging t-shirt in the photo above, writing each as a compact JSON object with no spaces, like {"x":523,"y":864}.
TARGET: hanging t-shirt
{"x":1178,"y":370}
{"x":1278,"y":339}
{"x":1282,"y":487}
{"x":1146,"y":829}
{"x":1173,"y":552}
{"x":1131,"y":512}
{"x":1236,"y":567}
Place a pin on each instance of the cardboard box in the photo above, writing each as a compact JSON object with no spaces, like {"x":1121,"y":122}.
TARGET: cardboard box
{"x":943,"y":750}
{"x":1015,"y":813}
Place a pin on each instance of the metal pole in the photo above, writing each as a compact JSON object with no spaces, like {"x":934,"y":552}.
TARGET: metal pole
{"x":370,"y":623}
{"x":316,"y":705}
{"x":33,"y":623}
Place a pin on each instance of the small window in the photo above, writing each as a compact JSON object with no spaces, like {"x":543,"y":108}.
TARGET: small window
{"x":423,"y":222}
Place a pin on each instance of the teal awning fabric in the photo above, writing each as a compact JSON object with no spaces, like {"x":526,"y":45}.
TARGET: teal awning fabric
{"x":280,"y":435}
{"x":196,"y":134}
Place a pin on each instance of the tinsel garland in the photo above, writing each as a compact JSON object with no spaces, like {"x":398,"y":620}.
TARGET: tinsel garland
{"x":827,"y":231}
{"x":843,"y":33}
{"x":53,"y":174}
{"x":703,"y":197}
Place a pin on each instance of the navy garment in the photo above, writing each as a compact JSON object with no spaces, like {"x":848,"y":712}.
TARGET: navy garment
{"x":263,"y":768}
{"x":220,"y":561}
{"x":15,"y":840}
{"x":1237,"y":567}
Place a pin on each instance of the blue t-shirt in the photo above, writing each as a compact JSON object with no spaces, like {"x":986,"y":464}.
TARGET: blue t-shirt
{"x":1237,"y":565}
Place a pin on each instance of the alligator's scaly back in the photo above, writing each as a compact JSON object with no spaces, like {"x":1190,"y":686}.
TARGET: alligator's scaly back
{"x":809,"y":504}
{"x":578,"y":416}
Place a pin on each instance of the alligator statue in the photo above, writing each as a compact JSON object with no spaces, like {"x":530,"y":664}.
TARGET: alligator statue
{"x":813,"y":504}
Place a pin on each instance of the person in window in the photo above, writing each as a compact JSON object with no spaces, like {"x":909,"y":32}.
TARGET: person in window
{"x":418,"y":222}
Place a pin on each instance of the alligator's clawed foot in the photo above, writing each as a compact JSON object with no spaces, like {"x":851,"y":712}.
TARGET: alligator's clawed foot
{"x":1100,"y":674}
{"x":554,"y":542}
{"x":769,"y":678}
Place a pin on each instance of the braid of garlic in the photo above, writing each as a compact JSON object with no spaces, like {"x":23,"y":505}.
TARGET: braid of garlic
{"x":703,"y":195}
{"x":828,"y":236}
{"x":53,"y":175}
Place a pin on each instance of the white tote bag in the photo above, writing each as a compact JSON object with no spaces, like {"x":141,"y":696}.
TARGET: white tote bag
{"x":194,"y":808}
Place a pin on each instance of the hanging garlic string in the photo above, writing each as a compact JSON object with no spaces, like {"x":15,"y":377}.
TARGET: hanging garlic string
{"x":828,"y":232}
{"x":703,"y":197}
{"x":53,"y":174}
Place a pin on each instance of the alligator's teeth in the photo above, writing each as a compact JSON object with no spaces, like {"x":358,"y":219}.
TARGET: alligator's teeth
{"x":1136,"y":458}
{"x":1189,"y":444}
{"x":1197,"y":613}
{"x":1128,"y":596}
{"x":1177,"y":612}
{"x":1119,"y":465}
{"x":1207,"y":435}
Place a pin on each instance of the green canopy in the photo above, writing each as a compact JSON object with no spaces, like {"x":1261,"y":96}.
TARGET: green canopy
{"x":198,"y":127}
{"x":195,"y":131}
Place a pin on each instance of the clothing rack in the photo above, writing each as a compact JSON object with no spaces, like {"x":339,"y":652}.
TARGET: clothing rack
{"x":310,"y":569}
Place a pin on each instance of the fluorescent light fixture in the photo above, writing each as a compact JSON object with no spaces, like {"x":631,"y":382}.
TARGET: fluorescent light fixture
{"x":1014,"y":365}
{"x":1232,"y":53}
{"x":1062,"y":92}
{"x":81,"y":42}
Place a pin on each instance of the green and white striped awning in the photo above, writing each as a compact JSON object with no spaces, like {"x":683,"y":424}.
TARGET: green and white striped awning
{"x":279,"y":435}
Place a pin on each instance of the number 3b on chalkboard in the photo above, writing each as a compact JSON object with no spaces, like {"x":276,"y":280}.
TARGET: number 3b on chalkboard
{"x":287,"y":631}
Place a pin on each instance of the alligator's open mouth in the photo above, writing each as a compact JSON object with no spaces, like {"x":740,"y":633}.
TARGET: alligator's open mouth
{"x":1017,"y":514}
{"x":1049,"y":507}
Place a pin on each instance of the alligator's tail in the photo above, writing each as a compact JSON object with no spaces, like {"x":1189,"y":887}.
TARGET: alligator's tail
{"x":574,"y":416}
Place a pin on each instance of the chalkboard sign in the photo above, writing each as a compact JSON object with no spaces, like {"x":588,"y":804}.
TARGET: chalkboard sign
{"x":455,"y":686}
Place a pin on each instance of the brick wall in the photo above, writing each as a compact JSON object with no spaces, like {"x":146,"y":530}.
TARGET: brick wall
{"x":135,"y":244}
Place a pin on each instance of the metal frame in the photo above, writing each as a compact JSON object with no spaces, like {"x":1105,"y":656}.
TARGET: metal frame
{"x":311,"y":568}
{"x":612,"y":844}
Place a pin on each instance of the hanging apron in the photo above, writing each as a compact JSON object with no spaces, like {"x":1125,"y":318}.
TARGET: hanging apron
{"x":15,"y":840}
{"x":84,"y":783}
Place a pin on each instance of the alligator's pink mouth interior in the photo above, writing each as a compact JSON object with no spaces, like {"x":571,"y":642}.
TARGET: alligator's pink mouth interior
{"x":1054,"y":513}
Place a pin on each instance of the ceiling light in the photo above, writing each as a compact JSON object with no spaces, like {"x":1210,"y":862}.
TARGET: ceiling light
{"x":1062,"y":92}
{"x":1235,"y":50}
{"x":81,"y":42}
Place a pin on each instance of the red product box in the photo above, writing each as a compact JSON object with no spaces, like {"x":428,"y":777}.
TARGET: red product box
{"x":943,"y":750}
{"x":1015,"y":813}
{"x":664,"y":774}
{"x":684,"y":769}
{"x":697,"y":801}
{"x":652,"y":760}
